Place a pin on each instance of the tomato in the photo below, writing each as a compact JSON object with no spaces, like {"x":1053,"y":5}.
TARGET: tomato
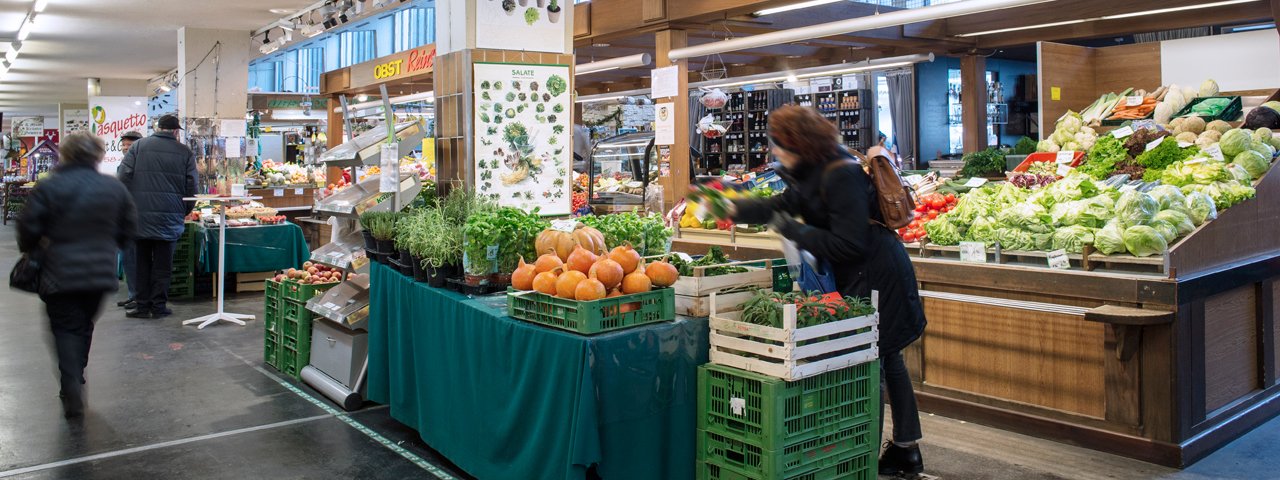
{"x":946,"y":209}
{"x":923,"y":205}
{"x":913,"y":225}
{"x":951,"y":197}
{"x":933,"y":214}
{"x":909,"y":237}
{"x":936,"y":202}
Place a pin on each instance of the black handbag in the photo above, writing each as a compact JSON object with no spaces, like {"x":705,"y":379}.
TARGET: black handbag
{"x":25,"y":275}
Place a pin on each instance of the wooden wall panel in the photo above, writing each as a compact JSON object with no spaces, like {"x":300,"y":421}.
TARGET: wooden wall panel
{"x":1071,"y":70}
{"x":1230,"y":346}
{"x":1219,"y":242}
{"x":1124,"y":66}
{"x":1049,"y":360}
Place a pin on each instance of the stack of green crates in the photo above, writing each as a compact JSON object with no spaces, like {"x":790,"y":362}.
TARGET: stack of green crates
{"x":185,"y":257}
{"x":757,"y":427}
{"x":287,"y":344}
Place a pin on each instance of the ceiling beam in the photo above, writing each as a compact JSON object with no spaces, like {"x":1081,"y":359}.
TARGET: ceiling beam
{"x":1125,"y":26}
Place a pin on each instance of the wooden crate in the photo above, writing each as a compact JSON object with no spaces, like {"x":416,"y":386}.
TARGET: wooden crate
{"x":792,"y":353}
{"x":693,"y":292}
{"x":252,"y":281}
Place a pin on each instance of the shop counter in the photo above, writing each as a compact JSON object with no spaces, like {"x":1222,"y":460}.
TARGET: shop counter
{"x":502,"y":398}
{"x":262,"y":248}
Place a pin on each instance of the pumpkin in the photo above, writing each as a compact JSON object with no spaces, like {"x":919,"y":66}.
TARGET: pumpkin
{"x":607,"y":271}
{"x":522,"y":277}
{"x":589,"y":290}
{"x":662,"y":273}
{"x":567,"y":284}
{"x":636,"y":282}
{"x":581,"y":260}
{"x":545,"y":282}
{"x":547,"y":262}
{"x":562,"y":243}
{"x":627,"y":257}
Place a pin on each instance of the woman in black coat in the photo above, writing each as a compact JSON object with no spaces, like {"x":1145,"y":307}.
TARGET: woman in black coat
{"x":74,"y":223}
{"x":842,"y":225}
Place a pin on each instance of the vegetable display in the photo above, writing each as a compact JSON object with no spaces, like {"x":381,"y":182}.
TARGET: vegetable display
{"x":1069,"y":134}
{"x":986,"y":162}
{"x":928,"y":208}
{"x":765,"y":308}
{"x":714,"y":256}
{"x":647,"y":234}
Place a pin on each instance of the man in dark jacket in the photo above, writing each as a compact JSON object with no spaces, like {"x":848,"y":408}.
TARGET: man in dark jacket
{"x":129,"y":253}
{"x":73,"y":224}
{"x":159,"y":171}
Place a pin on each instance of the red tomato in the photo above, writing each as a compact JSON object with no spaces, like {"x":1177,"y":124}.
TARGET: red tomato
{"x":909,"y":237}
{"x":946,"y":209}
{"x":922,"y":206}
{"x":936,"y":202}
{"x":914,"y":224}
{"x":933,"y":214}
{"x":951,"y":197}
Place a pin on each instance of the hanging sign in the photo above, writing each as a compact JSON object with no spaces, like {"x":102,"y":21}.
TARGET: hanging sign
{"x":393,"y":67}
{"x":28,"y":127}
{"x":111,"y":117}
{"x":666,"y":82}
{"x":664,"y":124}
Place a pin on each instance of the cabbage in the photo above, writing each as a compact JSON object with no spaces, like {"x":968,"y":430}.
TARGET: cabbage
{"x":1262,"y":134}
{"x":1253,"y":162}
{"x":1136,"y":208}
{"x":1167,"y":231}
{"x":1239,"y":174}
{"x":1178,"y":219}
{"x":1202,"y":172}
{"x":1109,"y":239}
{"x":1015,"y":239}
{"x":1142,"y":241}
{"x":1022,"y":215}
{"x":1202,"y":207}
{"x":1167,"y":195}
{"x":1209,"y":88}
{"x":983,"y":230}
{"x":1234,"y":141}
{"x":1073,"y":238}
{"x":1264,"y":148}
{"x":943,"y":231}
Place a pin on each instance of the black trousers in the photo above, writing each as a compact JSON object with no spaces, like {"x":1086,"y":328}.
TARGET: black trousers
{"x":155,"y":271}
{"x":896,"y":383}
{"x":71,"y":319}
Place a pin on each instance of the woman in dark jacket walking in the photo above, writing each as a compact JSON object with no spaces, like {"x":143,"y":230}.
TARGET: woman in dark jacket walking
{"x":74,"y":223}
{"x":842,"y":224}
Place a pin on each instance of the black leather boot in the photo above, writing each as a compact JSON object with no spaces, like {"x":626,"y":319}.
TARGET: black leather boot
{"x":901,"y":460}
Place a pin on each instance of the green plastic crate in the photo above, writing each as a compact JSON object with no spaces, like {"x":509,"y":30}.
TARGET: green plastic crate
{"x":182,"y":290}
{"x":302,"y":292}
{"x":593,"y":317}
{"x":289,"y":361}
{"x":271,"y":350}
{"x":751,"y":461}
{"x":861,"y":466}
{"x":295,"y":321}
{"x":772,"y":413}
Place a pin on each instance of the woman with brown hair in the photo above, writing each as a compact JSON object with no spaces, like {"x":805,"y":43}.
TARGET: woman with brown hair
{"x":843,"y":225}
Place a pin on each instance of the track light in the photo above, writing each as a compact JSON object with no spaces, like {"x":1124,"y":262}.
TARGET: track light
{"x":266,"y":37}
{"x":39,"y":5}
{"x":11,"y":56}
{"x":25,"y":30}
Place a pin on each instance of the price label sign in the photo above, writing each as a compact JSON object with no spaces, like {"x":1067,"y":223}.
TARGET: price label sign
{"x":1195,"y":161}
{"x":297,"y":191}
{"x":1153,"y":144}
{"x":566,"y":226}
{"x":1133,"y":100}
{"x":975,"y":252}
{"x":1122,"y":132}
{"x":389,"y":181}
{"x":1214,"y":151}
{"x":1063,"y":169}
{"x":1058,"y":260}
{"x":975,"y":182}
{"x":206,"y":211}
{"x":1182,"y":144}
{"x":279,"y":192}
{"x":1066,"y":156}
{"x":491,"y":252}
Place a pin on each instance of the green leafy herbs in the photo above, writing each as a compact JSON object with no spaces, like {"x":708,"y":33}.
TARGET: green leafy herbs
{"x":531,"y":16}
{"x":1103,"y":157}
{"x":813,"y":308}
{"x":1156,"y":159}
{"x":382,"y":225}
{"x":1025,"y":146}
{"x":647,"y":234}
{"x":986,"y":162}
{"x":714,"y":256}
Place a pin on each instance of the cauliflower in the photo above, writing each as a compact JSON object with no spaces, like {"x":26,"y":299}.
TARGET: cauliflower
{"x":1047,"y":145}
{"x":1071,"y":122}
{"x":1071,"y":146}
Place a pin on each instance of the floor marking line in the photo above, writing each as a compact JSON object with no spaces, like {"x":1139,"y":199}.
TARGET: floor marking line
{"x":346,"y":418}
{"x":154,"y":446}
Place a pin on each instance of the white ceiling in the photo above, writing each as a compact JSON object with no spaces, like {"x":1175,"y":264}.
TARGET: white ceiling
{"x":127,"y":39}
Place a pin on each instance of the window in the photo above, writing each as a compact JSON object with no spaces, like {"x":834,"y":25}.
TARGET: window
{"x":355,"y":47}
{"x":310,"y":63}
{"x":267,"y":76}
{"x":414,"y":27}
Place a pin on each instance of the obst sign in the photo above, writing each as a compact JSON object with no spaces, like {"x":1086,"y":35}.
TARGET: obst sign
{"x":413,"y":62}
{"x":387,"y":70}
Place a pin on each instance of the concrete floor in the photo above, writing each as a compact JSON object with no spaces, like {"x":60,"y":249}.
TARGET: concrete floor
{"x":167,"y":401}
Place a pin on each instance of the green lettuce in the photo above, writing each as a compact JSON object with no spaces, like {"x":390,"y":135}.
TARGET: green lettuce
{"x":1167,"y":231}
{"x":1144,"y":241}
{"x":1168,"y":196}
{"x":943,"y":230}
{"x":1136,"y":208}
{"x":1179,"y":220}
{"x":1109,"y":239}
{"x":1072,"y":238}
{"x":1253,"y":162}
{"x":1201,"y":207}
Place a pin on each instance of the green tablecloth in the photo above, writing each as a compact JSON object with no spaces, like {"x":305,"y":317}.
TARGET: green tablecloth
{"x":256,"y":249}
{"x":502,"y":398}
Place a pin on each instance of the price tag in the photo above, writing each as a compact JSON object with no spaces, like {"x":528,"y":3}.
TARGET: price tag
{"x":1133,"y":100}
{"x":1195,"y":160}
{"x":1182,"y":144}
{"x":297,"y":191}
{"x":206,"y":211}
{"x":1214,"y":151}
{"x":1154,"y":143}
{"x":389,"y":182}
{"x":975,"y":182}
{"x":1066,"y":156}
{"x":1063,"y":169}
{"x":1122,"y":132}
{"x":1058,"y":260}
{"x":491,"y":252}
{"x":279,"y":192}
{"x":975,"y":252}
{"x":566,"y":226}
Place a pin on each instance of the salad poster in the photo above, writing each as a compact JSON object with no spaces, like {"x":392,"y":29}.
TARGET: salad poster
{"x":523,"y":145}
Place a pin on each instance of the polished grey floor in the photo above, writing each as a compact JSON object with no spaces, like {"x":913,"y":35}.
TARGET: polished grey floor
{"x":168,"y":401}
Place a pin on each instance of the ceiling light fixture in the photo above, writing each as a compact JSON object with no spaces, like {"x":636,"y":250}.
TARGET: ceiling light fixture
{"x":796,"y":6}
{"x":1026,"y":27}
{"x":630,"y":61}
{"x":826,"y":70}
{"x":266,"y":37}
{"x":40,"y":5}
{"x":269,"y":48}
{"x":24,"y":31}
{"x":1175,"y":9}
{"x":12,"y":55}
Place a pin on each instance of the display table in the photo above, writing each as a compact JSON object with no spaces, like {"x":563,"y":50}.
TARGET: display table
{"x":501,"y":398}
{"x":263,"y":248}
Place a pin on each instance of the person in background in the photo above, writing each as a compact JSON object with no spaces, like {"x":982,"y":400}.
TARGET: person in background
{"x":843,"y":225}
{"x":130,"y":253}
{"x":74,"y":222}
{"x":159,"y":171}
{"x":581,"y":147}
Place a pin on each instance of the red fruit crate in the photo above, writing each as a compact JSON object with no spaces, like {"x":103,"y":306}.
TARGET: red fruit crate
{"x":1039,"y":157}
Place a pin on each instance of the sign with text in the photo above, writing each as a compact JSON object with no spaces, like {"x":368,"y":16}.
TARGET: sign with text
{"x":975,"y":252}
{"x":28,"y":127}
{"x":664,"y":124}
{"x":392,"y":67}
{"x":111,"y":117}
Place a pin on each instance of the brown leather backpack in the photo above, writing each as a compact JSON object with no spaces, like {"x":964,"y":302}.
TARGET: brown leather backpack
{"x":897,"y":206}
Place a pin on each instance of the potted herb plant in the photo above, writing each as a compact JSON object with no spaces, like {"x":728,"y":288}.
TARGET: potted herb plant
{"x":440,"y":243}
{"x":480,"y":239}
{"x":370,"y":244}
{"x":383,"y":227}
{"x":553,"y":11}
{"x":403,"y":237}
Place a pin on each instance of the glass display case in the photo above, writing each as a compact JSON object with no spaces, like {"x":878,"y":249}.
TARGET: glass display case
{"x":621,"y":170}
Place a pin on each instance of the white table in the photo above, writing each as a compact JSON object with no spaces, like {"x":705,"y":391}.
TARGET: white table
{"x":237,"y":318}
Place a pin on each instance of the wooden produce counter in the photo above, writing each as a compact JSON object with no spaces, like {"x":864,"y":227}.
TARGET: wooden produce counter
{"x":287,"y":199}
{"x":1160,"y":359}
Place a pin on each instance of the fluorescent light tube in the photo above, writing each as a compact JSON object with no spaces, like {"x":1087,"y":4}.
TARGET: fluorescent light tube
{"x":1175,"y":9}
{"x":796,"y":6}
